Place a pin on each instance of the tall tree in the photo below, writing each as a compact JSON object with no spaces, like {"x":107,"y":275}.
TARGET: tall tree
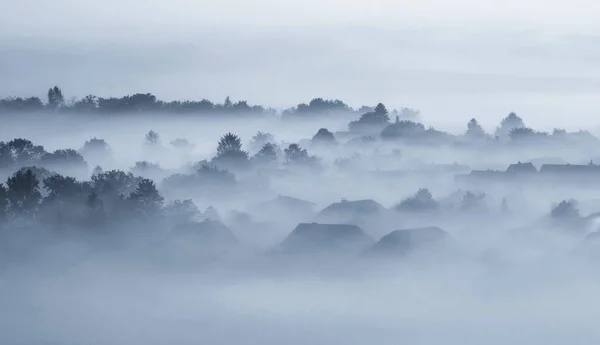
{"x":55,"y":98}
{"x":152,"y":138}
{"x":512,"y":121}
{"x":23,"y":193}
{"x":229,"y":143}
{"x":146,"y":198}
{"x":3,"y":202}
{"x":474,"y":130}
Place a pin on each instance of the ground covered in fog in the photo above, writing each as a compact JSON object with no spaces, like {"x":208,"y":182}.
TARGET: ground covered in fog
{"x":130,"y":220}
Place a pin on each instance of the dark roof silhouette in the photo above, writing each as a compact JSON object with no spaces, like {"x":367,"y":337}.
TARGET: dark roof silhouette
{"x":288,"y":201}
{"x":325,"y":238}
{"x":570,"y":168}
{"x":404,"y":242}
{"x":363,"y":207}
{"x":521,"y":168}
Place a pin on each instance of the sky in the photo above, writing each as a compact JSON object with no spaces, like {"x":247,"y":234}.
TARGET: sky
{"x":452,"y":60}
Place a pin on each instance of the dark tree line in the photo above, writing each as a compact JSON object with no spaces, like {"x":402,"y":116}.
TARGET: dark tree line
{"x":149,"y":103}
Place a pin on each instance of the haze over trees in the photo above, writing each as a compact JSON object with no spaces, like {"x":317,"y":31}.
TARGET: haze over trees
{"x":237,"y":195}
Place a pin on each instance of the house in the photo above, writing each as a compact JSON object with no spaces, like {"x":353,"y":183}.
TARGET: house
{"x":524,"y":168}
{"x":408,"y":241}
{"x":326,"y":239}
{"x":570,"y":169}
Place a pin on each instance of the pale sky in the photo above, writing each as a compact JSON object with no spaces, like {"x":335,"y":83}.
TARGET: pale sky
{"x":451,"y":59}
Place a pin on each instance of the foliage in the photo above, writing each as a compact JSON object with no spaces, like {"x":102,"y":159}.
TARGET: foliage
{"x":474,"y":130}
{"x":324,"y":136}
{"x":509,"y":123}
{"x":23,"y":193}
{"x":565,"y":210}
{"x":260,"y":139}
{"x":152,"y":138}
{"x":296,"y":155}
{"x":55,"y":98}
{"x":422,"y":201}
{"x":269,"y":153}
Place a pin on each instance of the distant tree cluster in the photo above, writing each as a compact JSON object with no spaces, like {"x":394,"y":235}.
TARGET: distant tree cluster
{"x":22,"y":152}
{"x":139,"y":102}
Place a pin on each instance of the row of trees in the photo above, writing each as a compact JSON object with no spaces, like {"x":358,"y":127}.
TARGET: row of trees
{"x":109,"y":200}
{"x":147,"y":102}
{"x":139,"y":102}
{"x":376,"y":122}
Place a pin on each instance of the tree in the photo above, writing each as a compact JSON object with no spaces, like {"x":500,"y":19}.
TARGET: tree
{"x":324,"y":136}
{"x":3,"y":202}
{"x":267,"y":154}
{"x":182,"y":144}
{"x":146,"y":198}
{"x":62,"y":188}
{"x":95,"y":215}
{"x":152,"y":138}
{"x":62,"y":158}
{"x":473,"y":202}
{"x":381,"y":110}
{"x":96,"y":146}
{"x":294,"y":154}
{"x":378,"y":118}
{"x":23,"y":193}
{"x":260,"y":139}
{"x":229,"y":143}
{"x":114,"y":183}
{"x":87,"y":104}
{"x":403,"y":129}
{"x":55,"y":98}
{"x":474,"y":130}
{"x":565,"y":210}
{"x":182,"y":212}
{"x":422,"y":201}
{"x":509,"y":123}
{"x":20,"y":152}
{"x":97,"y":170}
{"x":227,"y":104}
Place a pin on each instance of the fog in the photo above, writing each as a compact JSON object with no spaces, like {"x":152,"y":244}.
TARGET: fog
{"x":315,"y":172}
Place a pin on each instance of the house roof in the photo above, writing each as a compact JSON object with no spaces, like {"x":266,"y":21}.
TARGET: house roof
{"x":359,"y":206}
{"x":521,"y":167}
{"x":570,"y":168}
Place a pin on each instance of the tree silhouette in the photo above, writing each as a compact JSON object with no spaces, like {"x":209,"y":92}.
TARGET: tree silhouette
{"x":474,"y":130}
{"x":227,"y":104}
{"x":23,"y":193}
{"x":324,"y":136}
{"x":294,"y":154}
{"x":63,"y":188}
{"x":422,"y":201}
{"x":509,"y":123}
{"x":96,"y":146}
{"x":381,"y":110}
{"x":182,"y":212}
{"x":146,"y":198}
{"x":3,"y":202}
{"x":21,"y":151}
{"x":378,"y":118}
{"x":260,"y":139}
{"x":114,"y":182}
{"x":473,"y":202}
{"x":64,"y":158}
{"x":55,"y":98}
{"x":152,"y":138}
{"x":565,"y":210}
{"x":267,"y":154}
{"x":95,"y":215}
{"x":229,"y":143}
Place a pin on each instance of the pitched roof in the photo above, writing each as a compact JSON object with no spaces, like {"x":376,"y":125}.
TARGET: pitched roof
{"x":311,"y":237}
